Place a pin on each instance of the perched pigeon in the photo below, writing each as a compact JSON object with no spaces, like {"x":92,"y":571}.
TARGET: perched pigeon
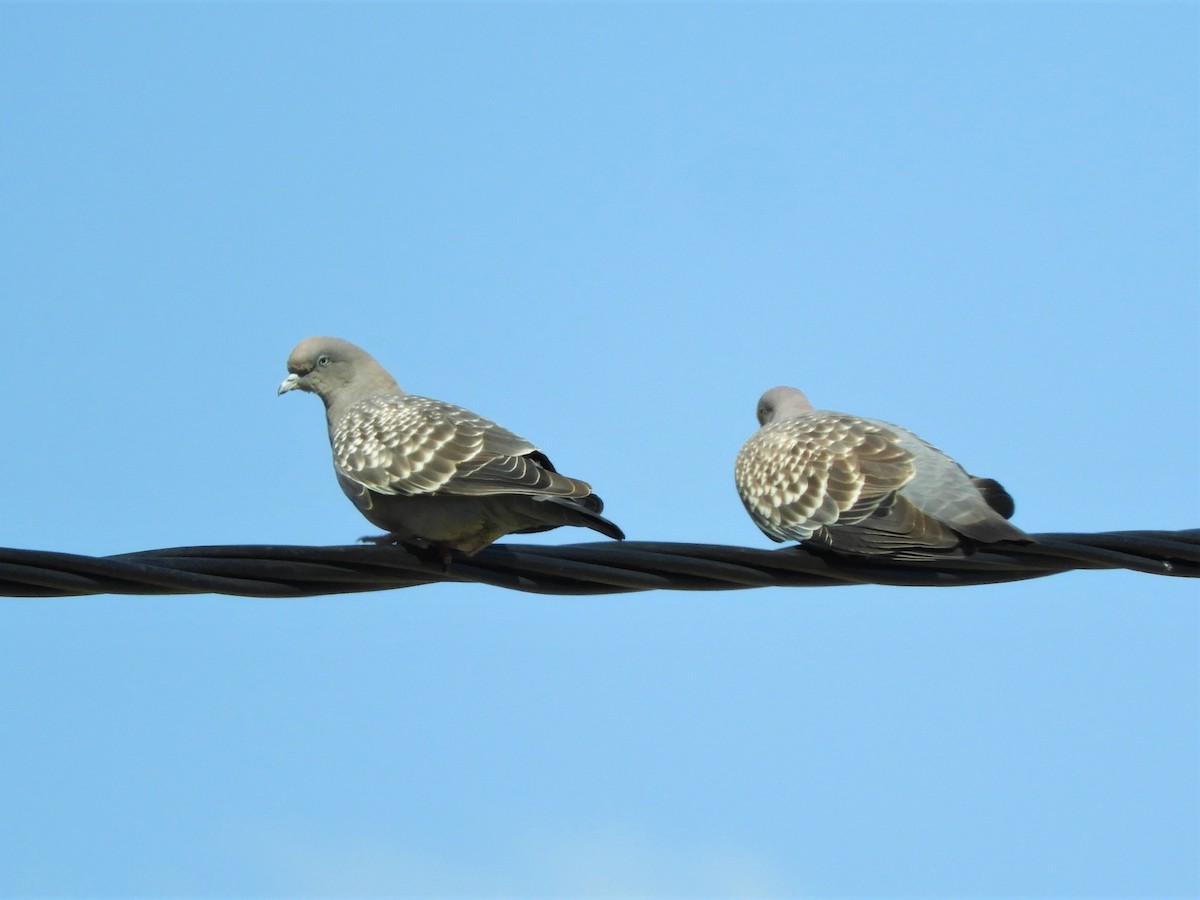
{"x":861,"y":486}
{"x":432,"y":474}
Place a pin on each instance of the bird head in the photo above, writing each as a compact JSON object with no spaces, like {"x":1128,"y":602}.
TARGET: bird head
{"x":781,"y":403}
{"x":326,"y":366}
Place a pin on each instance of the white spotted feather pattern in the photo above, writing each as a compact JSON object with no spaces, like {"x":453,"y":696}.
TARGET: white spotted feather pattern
{"x":797,"y":475}
{"x":410,"y":445}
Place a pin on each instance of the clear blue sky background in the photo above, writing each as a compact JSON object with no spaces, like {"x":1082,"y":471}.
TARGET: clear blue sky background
{"x":609,"y":227}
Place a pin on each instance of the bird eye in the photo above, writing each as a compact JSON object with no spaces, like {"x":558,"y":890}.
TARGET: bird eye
{"x":322,"y":361}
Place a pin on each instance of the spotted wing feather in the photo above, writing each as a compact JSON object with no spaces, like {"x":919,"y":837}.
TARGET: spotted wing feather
{"x":408,"y":445}
{"x":799,"y":476}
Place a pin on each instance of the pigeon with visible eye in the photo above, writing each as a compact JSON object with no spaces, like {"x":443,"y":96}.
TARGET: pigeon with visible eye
{"x":864,"y":487}
{"x":432,"y":474}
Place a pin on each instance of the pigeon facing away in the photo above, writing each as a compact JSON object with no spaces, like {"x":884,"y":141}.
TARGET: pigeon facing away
{"x":432,"y":474}
{"x":863,"y":487}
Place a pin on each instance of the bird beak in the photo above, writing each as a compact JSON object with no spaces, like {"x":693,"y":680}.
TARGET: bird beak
{"x":289,"y":384}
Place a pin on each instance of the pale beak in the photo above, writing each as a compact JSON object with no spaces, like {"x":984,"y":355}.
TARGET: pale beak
{"x":289,"y":384}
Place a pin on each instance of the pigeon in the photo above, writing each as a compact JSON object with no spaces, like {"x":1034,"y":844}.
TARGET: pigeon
{"x":434,"y":475}
{"x":859,"y":486}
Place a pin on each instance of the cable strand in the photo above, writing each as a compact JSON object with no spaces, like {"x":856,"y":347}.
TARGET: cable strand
{"x":573,"y":569}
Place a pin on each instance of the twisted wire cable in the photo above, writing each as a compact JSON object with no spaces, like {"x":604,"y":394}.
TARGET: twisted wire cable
{"x":572,"y":569}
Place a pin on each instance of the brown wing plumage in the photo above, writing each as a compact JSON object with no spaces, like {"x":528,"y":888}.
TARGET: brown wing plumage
{"x":798,"y":476}
{"x":408,"y":445}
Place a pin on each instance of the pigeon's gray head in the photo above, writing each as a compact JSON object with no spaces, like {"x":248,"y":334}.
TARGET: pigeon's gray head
{"x":781,"y":403}
{"x":330,"y":367}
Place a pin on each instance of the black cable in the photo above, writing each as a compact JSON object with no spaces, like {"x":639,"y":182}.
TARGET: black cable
{"x":609,"y":567}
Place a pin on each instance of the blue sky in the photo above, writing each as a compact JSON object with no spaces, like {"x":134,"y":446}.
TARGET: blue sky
{"x":610,"y":227}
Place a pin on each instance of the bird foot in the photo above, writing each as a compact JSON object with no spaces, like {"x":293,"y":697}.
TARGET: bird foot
{"x":432,"y":551}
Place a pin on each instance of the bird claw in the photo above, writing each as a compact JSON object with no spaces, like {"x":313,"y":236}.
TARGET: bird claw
{"x":427,"y":550}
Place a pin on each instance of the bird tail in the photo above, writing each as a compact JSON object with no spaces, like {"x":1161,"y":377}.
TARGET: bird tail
{"x":583,"y":511}
{"x":592,"y":518}
{"x":995,"y":495}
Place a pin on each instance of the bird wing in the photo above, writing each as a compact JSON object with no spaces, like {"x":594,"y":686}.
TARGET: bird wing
{"x":943,"y":491}
{"x":409,"y":445}
{"x":800,"y":475}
